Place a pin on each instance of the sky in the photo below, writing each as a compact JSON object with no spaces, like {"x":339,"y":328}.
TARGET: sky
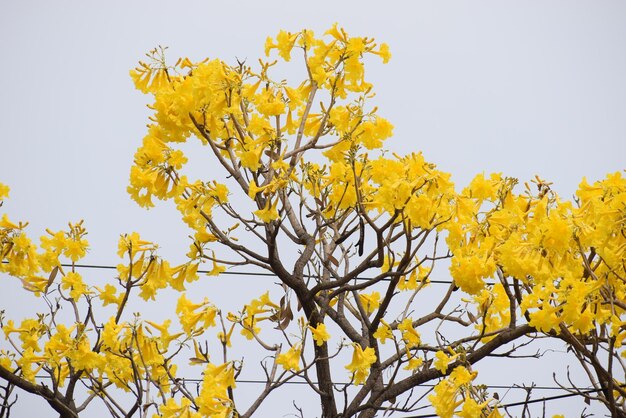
{"x":522,"y":88}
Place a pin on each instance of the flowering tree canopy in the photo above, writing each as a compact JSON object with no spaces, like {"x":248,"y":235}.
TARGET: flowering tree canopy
{"x":302,"y":188}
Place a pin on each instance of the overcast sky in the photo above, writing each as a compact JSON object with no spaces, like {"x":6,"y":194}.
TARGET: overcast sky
{"x":521,"y":88}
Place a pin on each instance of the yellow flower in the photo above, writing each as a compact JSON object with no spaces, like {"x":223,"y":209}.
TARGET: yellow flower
{"x":469,"y":271}
{"x":213,"y":399}
{"x":320,"y":335}
{"x":291,"y":359}
{"x":361,"y":362}
{"x":495,"y":413}
{"x":383,"y":332}
{"x":132,"y":244}
{"x":217,"y":268}
{"x":290,"y":125}
{"x":544,"y":319}
{"x":387,"y":264}
{"x":252,"y":158}
{"x":269,"y":45}
{"x":26,"y":362}
{"x":337,"y":33}
{"x":187,"y":272}
{"x":286,"y":42}
{"x":471,"y":409}
{"x":171,"y":409}
{"x":111,"y":333}
{"x":384,"y":53}
{"x":166,"y":338}
{"x":194,"y":315}
{"x":225,"y":338}
{"x":444,"y":398}
{"x":442,"y":360}
{"x":75,"y":249}
{"x":6,"y":223}
{"x":249,"y":327}
{"x":295,"y":97}
{"x":107,"y":295}
{"x":4,"y":191}
{"x":446,"y":392}
{"x":5,"y":361}
{"x":484,"y":189}
{"x":410,"y":283}
{"x":370,"y":302}
{"x":253,"y":189}
{"x":204,"y":236}
{"x":82,"y":358}
{"x":74,"y":282}
{"x":268,"y":213}
{"x":414,"y":363}
{"x":462,"y":376}
{"x":269,"y":104}
{"x":410,"y":336}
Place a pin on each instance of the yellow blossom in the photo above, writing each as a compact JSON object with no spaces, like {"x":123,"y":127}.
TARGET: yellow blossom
{"x":291,"y":359}
{"x":268,"y":213}
{"x":320,"y":334}
{"x":362,"y":359}
{"x":74,"y":282}
{"x":4,"y":191}
{"x":410,"y":336}
{"x":383,"y":332}
{"x":414,"y":363}
{"x":442,"y":360}
{"x":370,"y":302}
{"x":195,"y":315}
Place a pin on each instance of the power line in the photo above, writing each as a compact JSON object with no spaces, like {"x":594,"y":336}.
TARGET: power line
{"x":262,"y":274}
{"x":578,"y":392}
{"x":234,"y":273}
{"x":423,"y":385}
{"x":296,"y":382}
{"x":530,"y":401}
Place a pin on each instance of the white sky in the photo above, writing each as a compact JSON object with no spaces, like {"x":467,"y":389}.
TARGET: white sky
{"x":521,"y":88}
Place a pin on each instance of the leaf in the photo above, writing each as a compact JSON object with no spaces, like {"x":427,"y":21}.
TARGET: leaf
{"x":361,"y":242}
{"x":53,"y":275}
{"x":333,"y":260}
{"x":471,"y":317}
{"x":8,"y":249}
{"x":286,"y":317}
{"x":287,"y":313}
{"x":283,"y":325}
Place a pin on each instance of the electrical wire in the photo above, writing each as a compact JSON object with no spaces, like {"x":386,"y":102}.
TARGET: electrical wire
{"x":253,"y":381}
{"x":423,"y":385}
{"x":520,"y":403}
{"x":234,"y":273}
{"x":579,"y":391}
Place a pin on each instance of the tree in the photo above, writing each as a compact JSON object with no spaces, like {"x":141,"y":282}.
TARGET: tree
{"x":307,"y":193}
